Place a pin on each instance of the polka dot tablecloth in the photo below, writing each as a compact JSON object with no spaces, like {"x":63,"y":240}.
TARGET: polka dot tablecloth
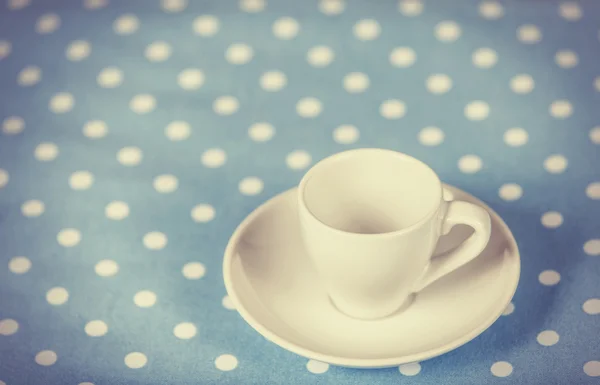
{"x":136,"y":135}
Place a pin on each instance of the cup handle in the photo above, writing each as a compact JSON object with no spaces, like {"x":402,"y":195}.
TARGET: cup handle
{"x":459,"y":212}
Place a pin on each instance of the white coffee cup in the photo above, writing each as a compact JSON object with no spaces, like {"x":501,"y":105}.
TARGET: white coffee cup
{"x":370,"y":220}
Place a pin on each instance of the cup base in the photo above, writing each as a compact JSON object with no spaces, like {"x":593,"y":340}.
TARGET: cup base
{"x":370,"y":315}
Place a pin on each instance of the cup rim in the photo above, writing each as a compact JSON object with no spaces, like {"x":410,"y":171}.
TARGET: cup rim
{"x":304,"y":206}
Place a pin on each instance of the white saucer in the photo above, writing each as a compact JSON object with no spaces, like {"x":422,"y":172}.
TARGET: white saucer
{"x":276,"y":290}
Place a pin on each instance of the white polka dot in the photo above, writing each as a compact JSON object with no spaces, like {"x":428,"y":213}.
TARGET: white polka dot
{"x":317,"y":367}
{"x":155,"y":240}
{"x":431,"y":136}
{"x":178,"y":130}
{"x":227,"y":303}
{"x":190,"y":79}
{"x":273,"y":81}
{"x":129,"y":156}
{"x":439,"y":84}
{"x":447,"y":31}
{"x":95,"y":4}
{"x":595,"y":135}
{"x":403,"y":57}
{"x":592,"y":306}
{"x":126,"y":24}
{"x":193,"y":270}
{"x":592,"y":368}
{"x":346,"y":134}
{"x":29,"y":76}
{"x":81,"y":180}
{"x":501,"y":369}
{"x":226,"y":362}
{"x":206,"y":25}
{"x":392,"y":109}
{"x":158,"y":51}
{"x":529,"y":34}
{"x":165,"y":184}
{"x":95,"y":129}
{"x":252,"y":6}
{"x":3,"y":178}
{"x":226,"y":105}
{"x":410,"y":8}
{"x":214,"y":157}
{"x":5,"y":48}
{"x":116,"y":210}
{"x":561,"y":109}
{"x":570,"y":11}
{"x":491,"y":10}
{"x":17,"y":4}
{"x":239,"y":53}
{"x":142,"y":103}
{"x":106,"y":268}
{"x":470,"y":164}
{"x":13,"y":125}
{"x":46,"y":152}
{"x":332,"y":7}
{"x":298,"y":160}
{"x":592,"y":247}
{"x":261,"y":132}
{"x":136,"y":360}
{"x":410,"y":369}
{"x":173,"y":6}
{"x":110,"y":77}
{"x":61,"y":103}
{"x":566,"y":59}
{"x":549,"y":278}
{"x":510,"y":192}
{"x":320,"y":56}
{"x":593,"y":190}
{"x":78,"y":50}
{"x":552,"y":219}
{"x":185,"y":330}
{"x":32,"y":208}
{"x":19,"y":265}
{"x":548,"y":338}
{"x":251,"y":186}
{"x":485,"y":58}
{"x":309,"y":107}
{"x":555,"y":164}
{"x":47,"y":23}
{"x":509,"y":309}
{"x":477,"y":110}
{"x":8,"y":327}
{"x":144,"y":298}
{"x":522,"y":84}
{"x":96,"y":328}
{"x":356,"y":82}
{"x":367,"y":29}
{"x":286,"y":28}
{"x":516,"y":137}
{"x":203,"y":213}
{"x":57,"y":296}
{"x":46,"y":358}
{"x":68,"y":237}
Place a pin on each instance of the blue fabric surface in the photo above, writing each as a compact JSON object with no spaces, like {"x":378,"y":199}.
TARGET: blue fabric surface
{"x":187,"y":160}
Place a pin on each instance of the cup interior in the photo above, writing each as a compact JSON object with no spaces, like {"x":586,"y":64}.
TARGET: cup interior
{"x":371,"y":191}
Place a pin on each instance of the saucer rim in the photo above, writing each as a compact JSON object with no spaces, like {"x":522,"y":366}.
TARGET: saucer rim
{"x":362,"y":362}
